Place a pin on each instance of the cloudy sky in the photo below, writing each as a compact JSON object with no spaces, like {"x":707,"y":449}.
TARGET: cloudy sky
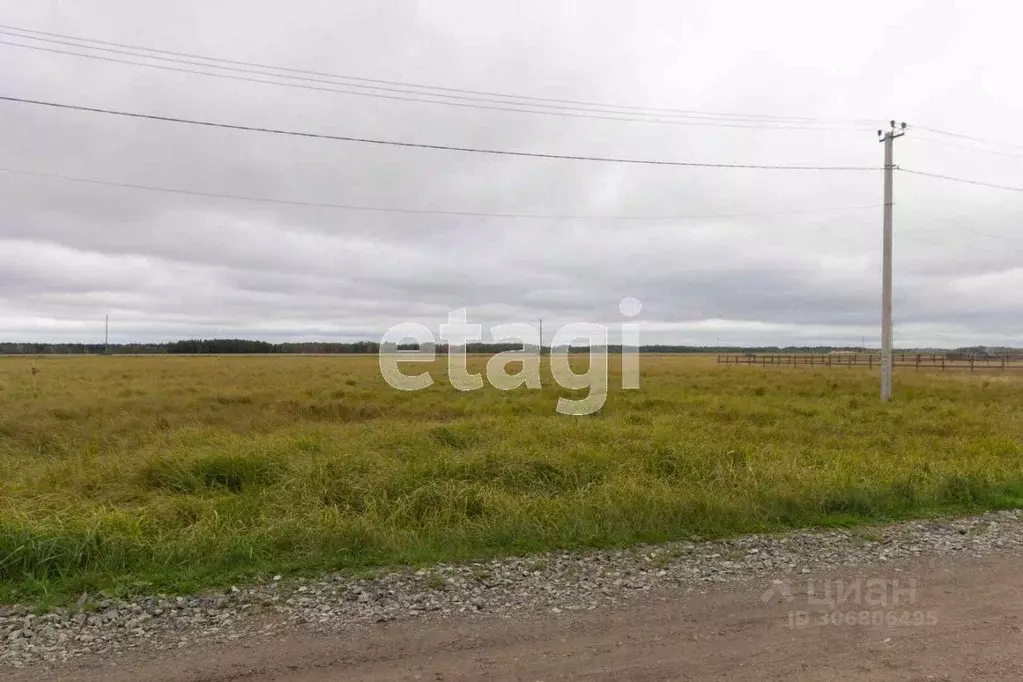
{"x":744,"y":256}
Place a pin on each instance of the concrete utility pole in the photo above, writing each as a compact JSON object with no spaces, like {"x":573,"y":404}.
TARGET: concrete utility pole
{"x":886,"y":275}
{"x":106,"y":337}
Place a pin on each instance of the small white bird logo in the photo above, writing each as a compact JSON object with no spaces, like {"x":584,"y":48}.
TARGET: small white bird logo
{"x":778,"y":588}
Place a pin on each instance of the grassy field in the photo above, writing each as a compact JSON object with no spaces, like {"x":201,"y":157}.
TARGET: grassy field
{"x":174,"y":473}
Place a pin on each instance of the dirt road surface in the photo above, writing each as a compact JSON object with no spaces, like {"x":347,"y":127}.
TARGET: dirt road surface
{"x":962,"y":621}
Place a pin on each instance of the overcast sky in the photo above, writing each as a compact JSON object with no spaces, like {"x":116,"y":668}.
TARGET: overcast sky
{"x":798,"y":261}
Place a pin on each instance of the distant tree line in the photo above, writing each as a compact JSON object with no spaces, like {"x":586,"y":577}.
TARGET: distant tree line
{"x":247,"y":346}
{"x":981,"y":352}
{"x":80,"y":348}
{"x":188,"y":347}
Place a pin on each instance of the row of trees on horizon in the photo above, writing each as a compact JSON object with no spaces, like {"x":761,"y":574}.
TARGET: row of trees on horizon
{"x":248,"y":346}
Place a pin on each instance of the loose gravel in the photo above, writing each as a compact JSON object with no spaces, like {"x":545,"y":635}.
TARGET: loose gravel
{"x":555,"y":582}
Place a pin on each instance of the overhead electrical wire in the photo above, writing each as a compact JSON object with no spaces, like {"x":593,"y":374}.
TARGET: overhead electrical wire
{"x":421,"y":145}
{"x":416,"y":92}
{"x":963,"y":180}
{"x":488,"y":214}
{"x":982,"y":233}
{"x":1002,"y":239}
{"x":418,"y":211}
{"x":934,"y":215}
{"x":968,"y":147}
{"x":6,"y":28}
{"x":590,"y":114}
{"x":960,"y":136}
{"x":392,"y":89}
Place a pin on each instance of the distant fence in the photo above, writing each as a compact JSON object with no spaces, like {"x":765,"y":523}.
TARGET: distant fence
{"x":938,"y":361}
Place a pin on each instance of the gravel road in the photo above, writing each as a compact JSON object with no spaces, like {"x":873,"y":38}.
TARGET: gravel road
{"x":551,"y":593}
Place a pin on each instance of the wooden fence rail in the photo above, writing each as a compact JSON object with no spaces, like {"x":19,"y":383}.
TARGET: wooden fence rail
{"x":917,"y":361}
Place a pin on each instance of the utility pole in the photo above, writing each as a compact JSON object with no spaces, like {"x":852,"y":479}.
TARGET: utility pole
{"x":539,"y":351}
{"x":106,"y":337}
{"x":886,"y":269}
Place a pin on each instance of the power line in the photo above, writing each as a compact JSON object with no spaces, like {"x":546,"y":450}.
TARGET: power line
{"x":409,"y":96}
{"x":431,"y":90}
{"x":1002,"y":247}
{"x":437,"y":88}
{"x":982,"y":233}
{"x":486,"y":214}
{"x":945,"y":217}
{"x":962,"y":228}
{"x":416,"y":211}
{"x":963,"y":180}
{"x":960,"y":136}
{"x":420,"y":145}
{"x":969,"y":147}
{"x":404,"y":89}
{"x":1008,"y":242}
